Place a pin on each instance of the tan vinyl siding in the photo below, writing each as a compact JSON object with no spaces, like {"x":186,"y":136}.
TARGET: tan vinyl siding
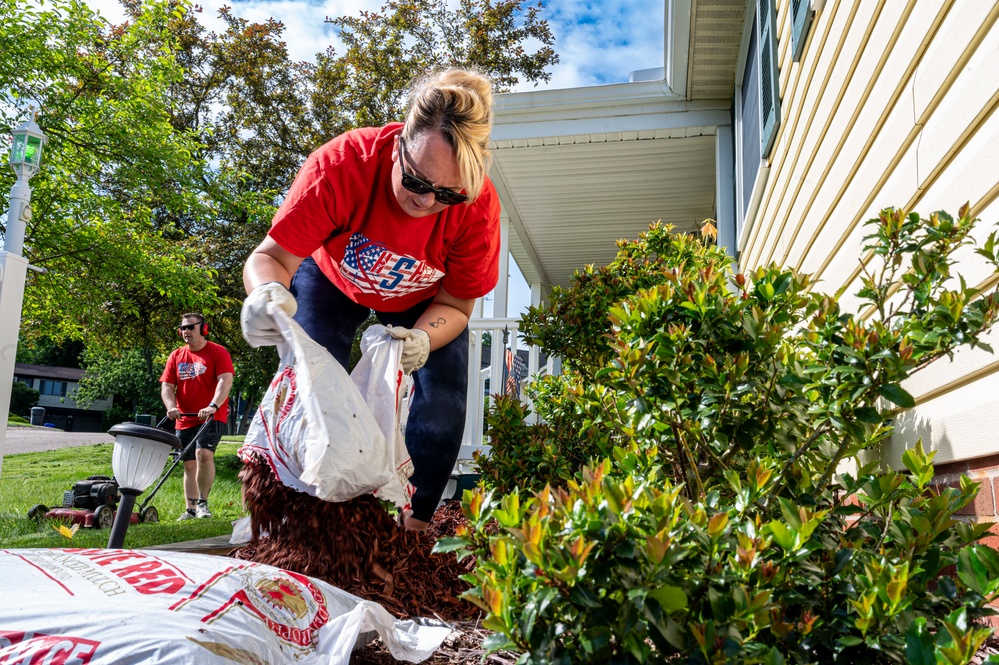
{"x":893,"y":104}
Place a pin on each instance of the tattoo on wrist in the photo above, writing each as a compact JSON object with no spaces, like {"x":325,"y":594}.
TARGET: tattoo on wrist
{"x":439,"y":322}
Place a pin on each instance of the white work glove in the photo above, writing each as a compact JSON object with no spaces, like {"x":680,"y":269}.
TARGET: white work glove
{"x":258,"y":326}
{"x":416,"y":348}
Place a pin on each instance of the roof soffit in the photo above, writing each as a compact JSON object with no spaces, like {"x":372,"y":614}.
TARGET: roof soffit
{"x":716,"y":29}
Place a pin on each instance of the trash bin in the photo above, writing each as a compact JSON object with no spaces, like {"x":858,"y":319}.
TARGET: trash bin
{"x":144,"y":419}
{"x":38,"y":415}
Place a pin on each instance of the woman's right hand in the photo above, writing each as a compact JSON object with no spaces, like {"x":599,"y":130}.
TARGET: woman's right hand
{"x":258,"y":325}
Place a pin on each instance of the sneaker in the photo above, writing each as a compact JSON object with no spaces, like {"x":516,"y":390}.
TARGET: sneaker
{"x":203,"y":511}
{"x":187,"y":515}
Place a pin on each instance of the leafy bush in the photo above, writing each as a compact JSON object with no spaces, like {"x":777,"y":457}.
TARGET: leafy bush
{"x":725,"y":529}
{"x":530,"y":456}
{"x":22,"y":398}
{"x":115,"y":414}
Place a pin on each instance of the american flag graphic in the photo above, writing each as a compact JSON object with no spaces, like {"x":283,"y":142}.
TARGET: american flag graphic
{"x":190,"y":370}
{"x":374,"y":268}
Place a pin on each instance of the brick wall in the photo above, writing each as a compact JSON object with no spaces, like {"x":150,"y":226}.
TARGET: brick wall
{"x":984,"y":470}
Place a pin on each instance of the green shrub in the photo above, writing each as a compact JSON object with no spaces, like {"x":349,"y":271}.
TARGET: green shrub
{"x":530,"y":456}
{"x":620,"y":567}
{"x":114,"y":414}
{"x":723,"y":531}
{"x":22,"y":398}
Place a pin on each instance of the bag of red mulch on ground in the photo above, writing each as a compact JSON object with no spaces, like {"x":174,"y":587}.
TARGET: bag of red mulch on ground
{"x":333,"y":435}
{"x":103,"y":607}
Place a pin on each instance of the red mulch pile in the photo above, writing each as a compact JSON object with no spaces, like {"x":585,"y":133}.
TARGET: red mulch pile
{"x":356,"y":546}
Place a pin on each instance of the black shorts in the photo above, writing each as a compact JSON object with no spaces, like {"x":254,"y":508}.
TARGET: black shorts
{"x":209,"y":439}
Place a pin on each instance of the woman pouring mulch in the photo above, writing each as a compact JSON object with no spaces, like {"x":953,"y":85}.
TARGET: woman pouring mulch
{"x":402,"y":221}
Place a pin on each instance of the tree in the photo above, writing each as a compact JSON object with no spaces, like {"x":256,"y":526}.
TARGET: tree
{"x":131,"y":376}
{"x":45,"y":351}
{"x":113,"y":162}
{"x":170,"y":146}
{"x":258,"y":114}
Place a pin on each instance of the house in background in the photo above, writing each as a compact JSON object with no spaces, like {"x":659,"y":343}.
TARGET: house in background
{"x":56,"y":387}
{"x":791,"y":123}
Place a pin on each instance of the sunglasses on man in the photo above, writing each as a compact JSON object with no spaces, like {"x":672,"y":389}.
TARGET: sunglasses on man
{"x":417,"y":186}
{"x":189,"y":326}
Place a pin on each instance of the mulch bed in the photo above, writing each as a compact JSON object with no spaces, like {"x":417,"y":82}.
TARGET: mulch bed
{"x":358,"y":547}
{"x":462,"y":647}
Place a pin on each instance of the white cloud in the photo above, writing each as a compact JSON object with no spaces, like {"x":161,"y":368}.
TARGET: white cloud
{"x":598,"y":41}
{"x":602,"y":41}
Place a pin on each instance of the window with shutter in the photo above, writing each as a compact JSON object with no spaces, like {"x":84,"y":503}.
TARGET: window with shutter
{"x":756,"y":111}
{"x":769,"y":99}
{"x":749,"y":154}
{"x":801,"y":21}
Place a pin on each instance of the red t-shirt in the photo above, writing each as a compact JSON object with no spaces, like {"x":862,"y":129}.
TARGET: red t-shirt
{"x":341,"y":211}
{"x":196,"y":374}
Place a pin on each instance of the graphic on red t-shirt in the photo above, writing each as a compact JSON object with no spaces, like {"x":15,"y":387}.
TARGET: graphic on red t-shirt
{"x":190,"y":370}
{"x":374,"y":268}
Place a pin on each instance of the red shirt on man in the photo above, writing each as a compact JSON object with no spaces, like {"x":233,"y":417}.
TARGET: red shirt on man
{"x":195,"y":373}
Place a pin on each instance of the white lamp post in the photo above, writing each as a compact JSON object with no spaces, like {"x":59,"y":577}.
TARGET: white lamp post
{"x":26,"y":160}
{"x":140,"y":452}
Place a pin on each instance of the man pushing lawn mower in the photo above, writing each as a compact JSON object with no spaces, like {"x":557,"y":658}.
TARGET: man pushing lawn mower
{"x":197,"y":379}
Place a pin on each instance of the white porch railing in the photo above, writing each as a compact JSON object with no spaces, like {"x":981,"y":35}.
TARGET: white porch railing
{"x":474,"y":438}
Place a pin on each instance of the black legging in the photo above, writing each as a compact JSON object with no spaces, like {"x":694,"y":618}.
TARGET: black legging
{"x":437,"y":402}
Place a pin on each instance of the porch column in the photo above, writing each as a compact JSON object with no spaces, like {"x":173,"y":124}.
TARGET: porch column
{"x":533,"y":351}
{"x":473,"y":393}
{"x":499,"y":311}
{"x":725,"y":190}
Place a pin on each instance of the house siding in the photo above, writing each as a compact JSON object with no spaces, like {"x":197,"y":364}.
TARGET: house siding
{"x":892,"y":104}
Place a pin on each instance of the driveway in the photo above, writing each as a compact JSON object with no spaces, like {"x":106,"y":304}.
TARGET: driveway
{"x":34,"y":439}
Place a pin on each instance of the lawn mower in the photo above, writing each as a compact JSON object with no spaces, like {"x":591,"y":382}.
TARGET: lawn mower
{"x":92,"y":503}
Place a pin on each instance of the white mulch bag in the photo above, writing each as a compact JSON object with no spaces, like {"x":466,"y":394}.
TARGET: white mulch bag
{"x":101,"y":607}
{"x":333,"y":435}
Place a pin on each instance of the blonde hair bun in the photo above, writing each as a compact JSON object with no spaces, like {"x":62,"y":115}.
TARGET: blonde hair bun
{"x":457,"y":103}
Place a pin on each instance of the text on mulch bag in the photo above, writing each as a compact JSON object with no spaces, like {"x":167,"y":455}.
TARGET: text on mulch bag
{"x":144,"y":573}
{"x":29,"y":648}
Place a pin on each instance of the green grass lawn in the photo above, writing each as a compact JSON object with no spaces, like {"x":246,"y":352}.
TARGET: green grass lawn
{"x":33,"y":478}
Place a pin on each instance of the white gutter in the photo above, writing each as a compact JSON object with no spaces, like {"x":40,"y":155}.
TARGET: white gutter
{"x":677,"y":45}
{"x":619,"y":107}
{"x":592,"y":97}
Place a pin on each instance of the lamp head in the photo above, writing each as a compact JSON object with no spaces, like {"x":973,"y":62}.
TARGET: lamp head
{"x":26,"y":149}
{"x":140,"y":452}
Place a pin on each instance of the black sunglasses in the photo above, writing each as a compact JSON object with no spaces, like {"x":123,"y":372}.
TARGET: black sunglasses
{"x":189,"y":326}
{"x":417,"y":186}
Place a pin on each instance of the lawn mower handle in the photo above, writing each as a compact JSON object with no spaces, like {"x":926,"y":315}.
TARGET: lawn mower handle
{"x":183,"y":415}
